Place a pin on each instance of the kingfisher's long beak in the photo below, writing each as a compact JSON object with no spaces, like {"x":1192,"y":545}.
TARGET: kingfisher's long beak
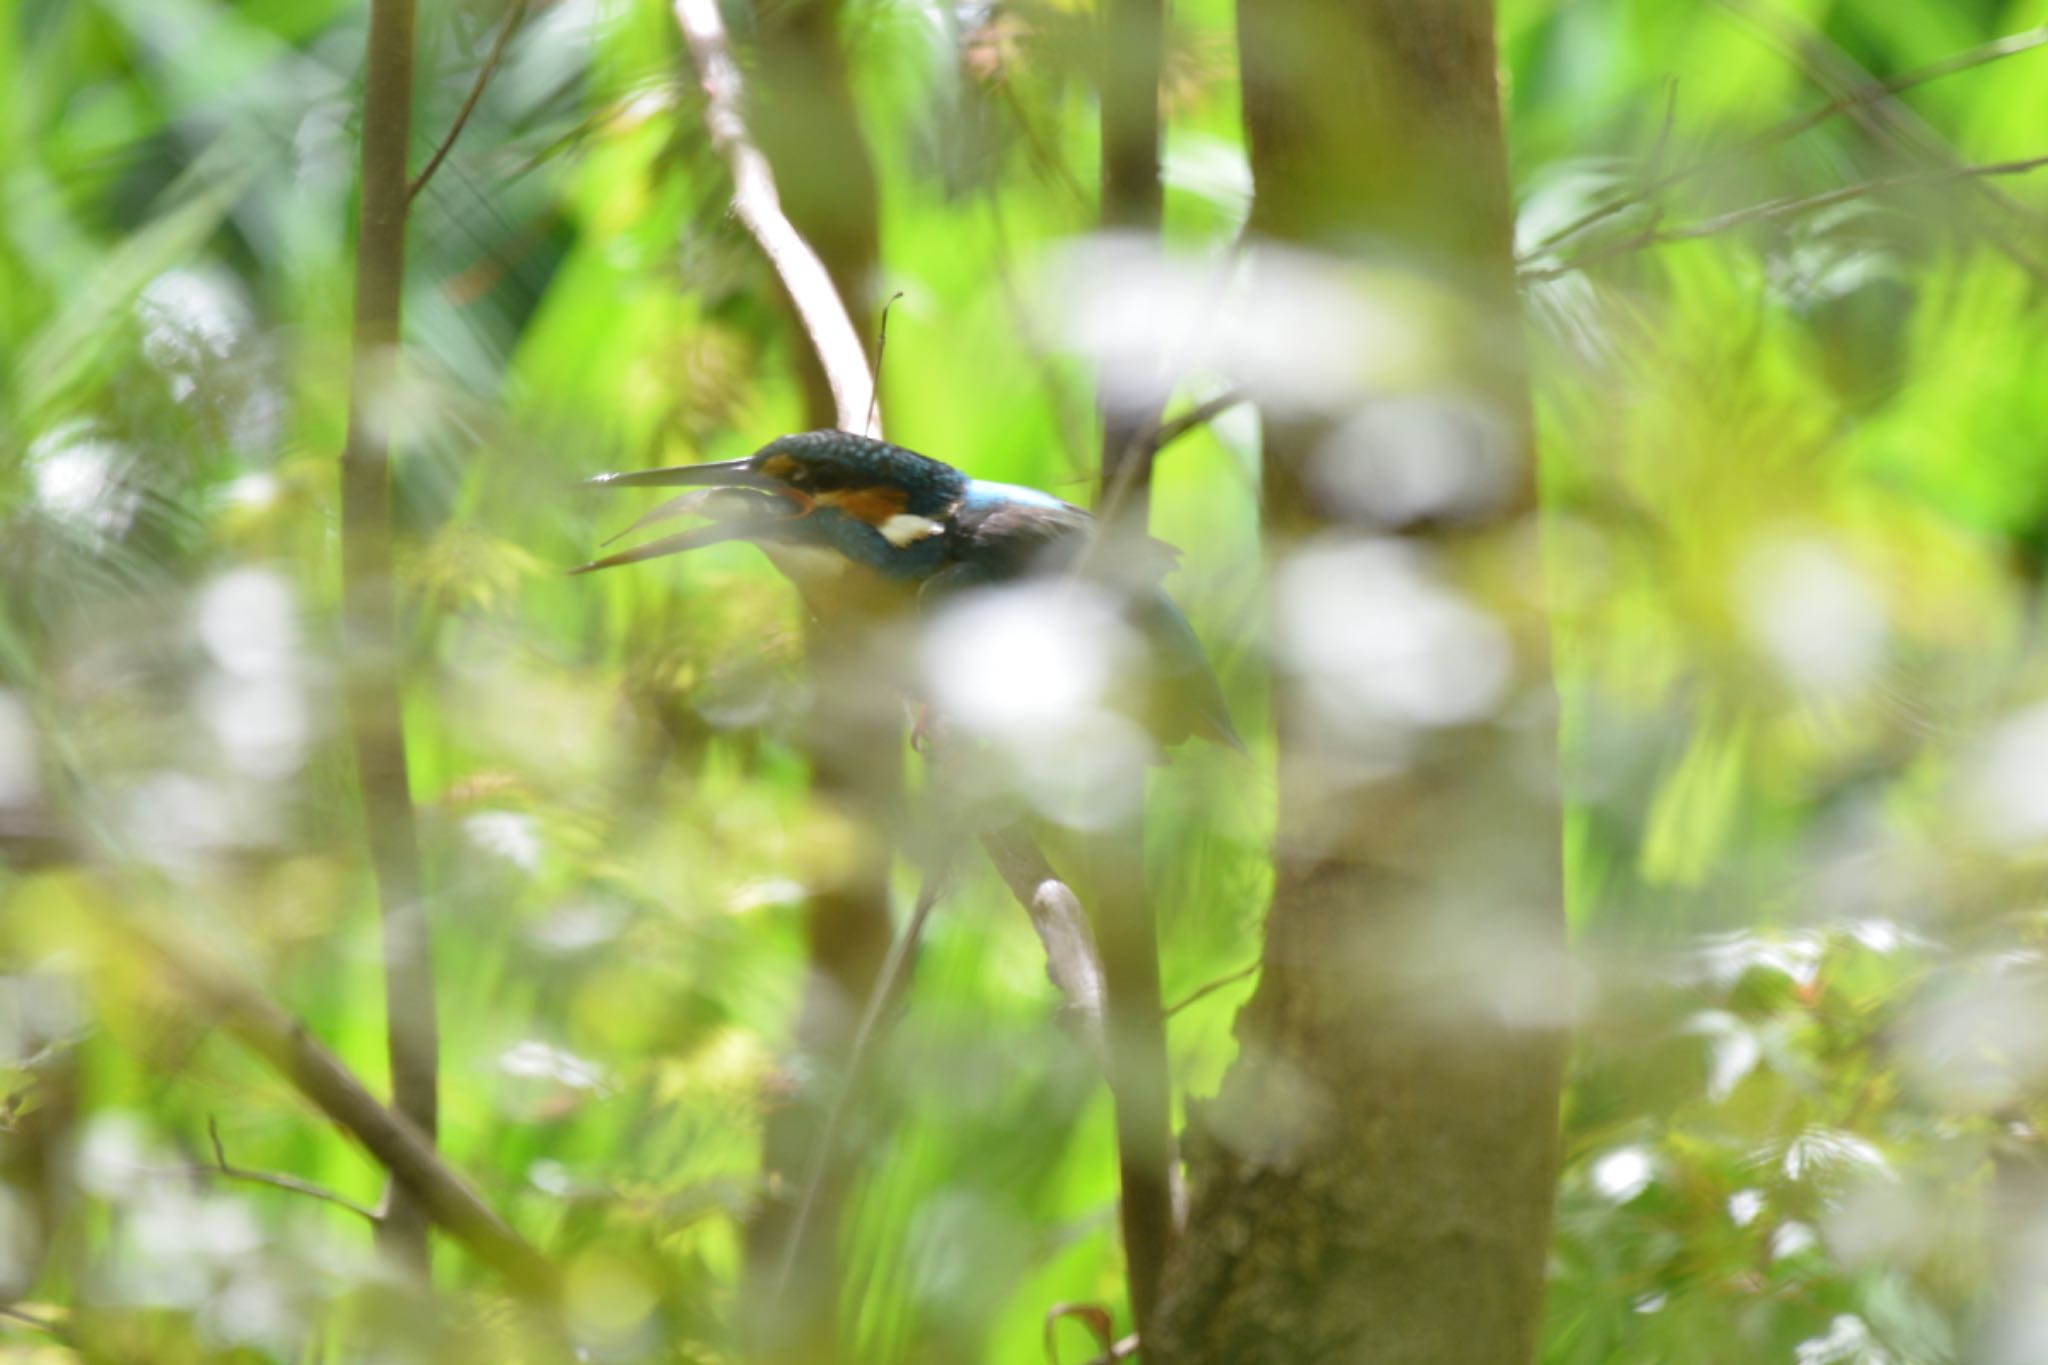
{"x":743,"y":504}
{"x":720,"y":474}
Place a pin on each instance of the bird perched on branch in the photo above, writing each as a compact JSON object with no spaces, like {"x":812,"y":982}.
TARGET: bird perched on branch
{"x":846,"y":516}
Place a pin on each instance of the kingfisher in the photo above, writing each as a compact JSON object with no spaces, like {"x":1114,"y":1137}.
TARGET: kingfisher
{"x":848,"y":517}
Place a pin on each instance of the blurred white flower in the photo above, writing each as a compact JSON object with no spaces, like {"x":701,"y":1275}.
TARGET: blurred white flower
{"x":1036,"y":670}
{"x":190,"y":318}
{"x":532,"y":1059}
{"x":1409,"y":458}
{"x":112,"y":1156}
{"x":511,"y":835}
{"x":1307,"y":333}
{"x":1623,"y":1174}
{"x":77,"y":475}
{"x":1848,"y":1342}
{"x":249,"y":623}
{"x":1792,"y":1239}
{"x":1722,"y":960}
{"x":1813,"y":614}
{"x":1025,"y":659}
{"x":2005,"y":790}
{"x":1212,"y":169}
{"x":1977,"y":1042}
{"x":260,"y":723}
{"x":1382,"y":642}
{"x":177,"y":820}
{"x":1827,"y":1154}
{"x":1732,"y":1050}
{"x":21,"y":779}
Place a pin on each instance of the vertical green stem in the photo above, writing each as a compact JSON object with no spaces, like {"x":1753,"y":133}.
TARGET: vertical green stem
{"x":1133,"y":44}
{"x":369,"y":604}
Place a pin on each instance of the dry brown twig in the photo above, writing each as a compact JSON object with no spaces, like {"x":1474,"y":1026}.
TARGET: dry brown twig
{"x":476,"y":93}
{"x":1859,"y":97}
{"x":759,"y":208}
{"x":1780,"y":208}
{"x":274,"y":1180}
{"x":285,"y":1042}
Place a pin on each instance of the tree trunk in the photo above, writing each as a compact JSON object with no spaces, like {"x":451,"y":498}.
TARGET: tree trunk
{"x":1373,"y":1182}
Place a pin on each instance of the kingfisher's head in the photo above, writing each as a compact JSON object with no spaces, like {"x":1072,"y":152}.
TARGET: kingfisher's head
{"x":871,"y":502}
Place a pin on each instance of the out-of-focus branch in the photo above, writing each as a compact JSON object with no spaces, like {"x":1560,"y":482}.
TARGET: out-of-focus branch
{"x":36,"y":1322}
{"x":1071,"y":959}
{"x":285,"y":1042}
{"x":1894,"y":124}
{"x":476,"y":93}
{"x":1859,"y":97}
{"x":370,"y":606}
{"x":1133,"y":41}
{"x":756,"y":203}
{"x":1209,"y":988}
{"x":1166,"y":433}
{"x":274,"y":1180}
{"x":1780,"y":208}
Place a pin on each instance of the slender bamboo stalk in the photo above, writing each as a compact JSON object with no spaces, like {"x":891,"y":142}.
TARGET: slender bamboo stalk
{"x":1133,"y":38}
{"x":370,"y":611}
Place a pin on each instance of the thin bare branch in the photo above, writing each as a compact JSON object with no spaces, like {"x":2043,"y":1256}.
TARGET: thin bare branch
{"x":1893,"y":124}
{"x":757,"y":205}
{"x":274,"y":1180}
{"x":1209,"y":988}
{"x":1166,"y":433}
{"x":36,"y":1322}
{"x":1781,"y":208}
{"x":868,"y":428}
{"x":476,"y":93}
{"x":285,"y":1042}
{"x":1856,"y":98}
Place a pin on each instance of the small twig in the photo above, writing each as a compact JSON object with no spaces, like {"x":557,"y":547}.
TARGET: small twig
{"x":280,"y":1039}
{"x":1895,"y":125}
{"x":1208,"y":989}
{"x":868,"y":428}
{"x":1855,"y":98}
{"x":476,"y":92}
{"x":222,"y":1168}
{"x":1166,"y":433}
{"x":36,"y":1322}
{"x":831,"y":331}
{"x":1781,"y":208}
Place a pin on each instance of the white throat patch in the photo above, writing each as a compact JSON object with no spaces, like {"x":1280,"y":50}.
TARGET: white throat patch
{"x":906,"y":528}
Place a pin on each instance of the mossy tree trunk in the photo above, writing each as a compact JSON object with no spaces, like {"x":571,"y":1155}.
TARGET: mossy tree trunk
{"x":1373,"y":1181}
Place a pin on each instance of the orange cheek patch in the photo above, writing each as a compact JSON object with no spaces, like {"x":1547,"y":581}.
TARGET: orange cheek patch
{"x":778,"y":467}
{"x":871,"y":505}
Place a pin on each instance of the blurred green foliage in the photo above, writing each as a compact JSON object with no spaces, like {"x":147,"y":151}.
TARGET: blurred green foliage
{"x":1797,"y":489}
